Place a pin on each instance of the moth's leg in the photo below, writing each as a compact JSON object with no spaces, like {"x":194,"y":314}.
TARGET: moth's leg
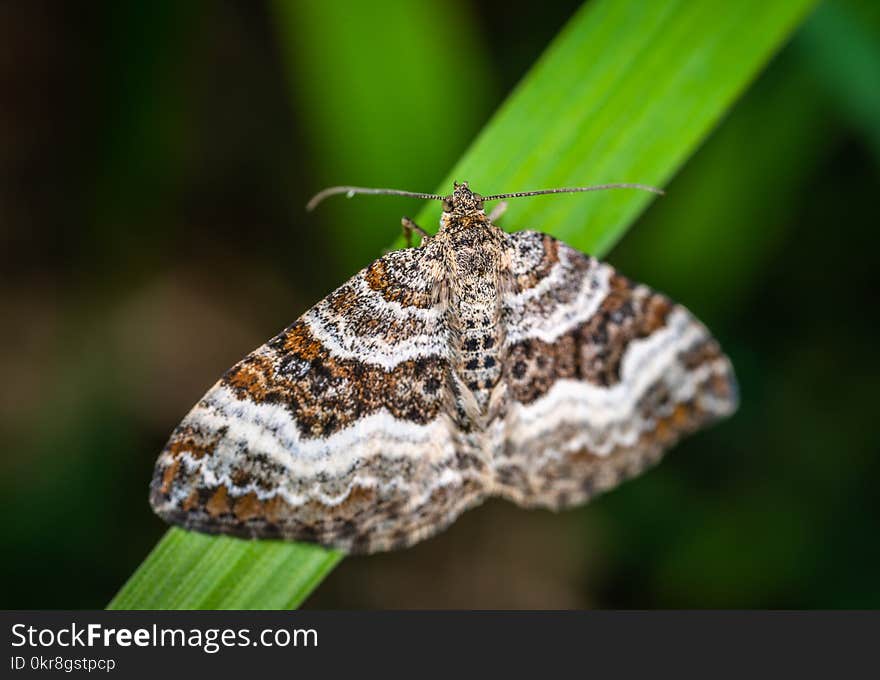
{"x":409,"y":227}
{"x":497,"y":211}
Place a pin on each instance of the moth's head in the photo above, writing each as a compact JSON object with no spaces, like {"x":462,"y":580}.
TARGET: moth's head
{"x":462,"y":202}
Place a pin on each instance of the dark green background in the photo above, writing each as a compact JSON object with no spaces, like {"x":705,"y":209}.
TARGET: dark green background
{"x":154,"y":161}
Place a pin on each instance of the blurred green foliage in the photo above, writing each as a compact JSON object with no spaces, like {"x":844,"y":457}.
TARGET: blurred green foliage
{"x":155,"y":166}
{"x":380,"y":103}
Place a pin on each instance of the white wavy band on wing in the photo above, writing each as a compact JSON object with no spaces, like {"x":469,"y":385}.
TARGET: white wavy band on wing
{"x":270,"y":429}
{"x":548,"y":325}
{"x":332,"y":331}
{"x":417,"y":494}
{"x":601,"y":409}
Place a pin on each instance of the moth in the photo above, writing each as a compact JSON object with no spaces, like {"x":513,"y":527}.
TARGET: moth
{"x":479,"y":363}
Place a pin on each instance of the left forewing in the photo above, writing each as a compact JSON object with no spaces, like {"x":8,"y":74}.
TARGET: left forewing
{"x":335,"y":430}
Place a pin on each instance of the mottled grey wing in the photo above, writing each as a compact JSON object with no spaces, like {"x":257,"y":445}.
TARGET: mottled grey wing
{"x":603,"y":375}
{"x":334,"y":431}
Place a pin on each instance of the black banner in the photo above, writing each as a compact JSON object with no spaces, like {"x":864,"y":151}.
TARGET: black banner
{"x":228,"y":644}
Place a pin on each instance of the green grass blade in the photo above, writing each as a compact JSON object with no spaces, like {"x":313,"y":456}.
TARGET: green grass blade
{"x":625,"y":93}
{"x":195,"y":571}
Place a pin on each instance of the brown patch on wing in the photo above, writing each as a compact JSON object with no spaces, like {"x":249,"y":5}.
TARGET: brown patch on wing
{"x":192,"y":501}
{"x":188,"y":439}
{"x":702,"y":352}
{"x":169,"y":474}
{"x":248,"y":507}
{"x":275,"y":509}
{"x":381,"y":280}
{"x":326,"y":394}
{"x":218,"y":504}
{"x":298,"y":341}
{"x":722,"y":384}
{"x":627,"y":313}
{"x":359,"y":501}
{"x":724,"y":387}
{"x":533,"y":366}
{"x":592,"y":351}
{"x":252,"y":376}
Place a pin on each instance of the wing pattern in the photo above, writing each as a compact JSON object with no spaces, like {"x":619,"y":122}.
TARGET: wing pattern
{"x":601,"y":385}
{"x":335,"y":430}
{"x":436,"y":377}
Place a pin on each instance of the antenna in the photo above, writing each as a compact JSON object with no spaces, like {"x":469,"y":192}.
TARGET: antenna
{"x":352,"y":191}
{"x":576,"y":190}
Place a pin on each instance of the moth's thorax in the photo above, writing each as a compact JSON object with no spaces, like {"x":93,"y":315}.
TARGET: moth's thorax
{"x":456,"y":220}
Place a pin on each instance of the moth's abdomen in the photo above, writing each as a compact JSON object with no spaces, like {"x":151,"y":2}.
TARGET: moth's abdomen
{"x":478,"y":363}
